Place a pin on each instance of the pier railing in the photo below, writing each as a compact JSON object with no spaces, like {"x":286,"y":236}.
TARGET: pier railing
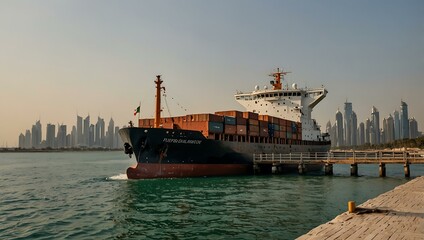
{"x":342,"y":157}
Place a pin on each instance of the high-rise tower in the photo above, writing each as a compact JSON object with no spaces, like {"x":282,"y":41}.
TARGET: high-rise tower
{"x":339,"y":124}
{"x":375,"y":123}
{"x":348,"y":123}
{"x":404,"y":121}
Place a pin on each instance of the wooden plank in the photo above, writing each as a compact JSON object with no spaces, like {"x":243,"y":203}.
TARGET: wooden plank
{"x":396,"y":214}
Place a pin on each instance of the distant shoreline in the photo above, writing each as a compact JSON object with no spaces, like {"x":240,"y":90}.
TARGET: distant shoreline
{"x":20,"y":150}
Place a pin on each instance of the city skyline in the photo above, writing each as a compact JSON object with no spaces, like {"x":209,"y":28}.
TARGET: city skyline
{"x":347,"y":131}
{"x":83,"y":135}
{"x":62,"y":58}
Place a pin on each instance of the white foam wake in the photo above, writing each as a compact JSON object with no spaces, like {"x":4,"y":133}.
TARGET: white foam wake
{"x":121,"y":176}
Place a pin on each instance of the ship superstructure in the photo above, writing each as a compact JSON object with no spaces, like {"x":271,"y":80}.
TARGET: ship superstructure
{"x":294,"y":104}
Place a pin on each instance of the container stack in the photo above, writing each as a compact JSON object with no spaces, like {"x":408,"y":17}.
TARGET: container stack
{"x":235,"y":124}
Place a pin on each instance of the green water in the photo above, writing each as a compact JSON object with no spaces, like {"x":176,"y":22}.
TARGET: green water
{"x":76,"y":195}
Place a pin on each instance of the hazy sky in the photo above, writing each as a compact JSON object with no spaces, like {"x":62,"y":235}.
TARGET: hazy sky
{"x":63,"y":58}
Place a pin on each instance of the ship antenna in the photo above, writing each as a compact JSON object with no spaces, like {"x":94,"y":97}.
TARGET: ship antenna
{"x":158,"y":110}
{"x":278,"y":76}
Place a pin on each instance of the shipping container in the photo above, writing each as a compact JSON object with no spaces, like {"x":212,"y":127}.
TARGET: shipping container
{"x":204,"y":117}
{"x":241,"y":121}
{"x":263,"y":131}
{"x":283,"y":122}
{"x":253,"y":133}
{"x":204,"y":127}
{"x":263,"y":124}
{"x":253,"y":122}
{"x":232,"y":113}
{"x":229,"y":120}
{"x":250,"y":115}
{"x":269,"y":119}
{"x":215,"y":127}
{"x":289,"y":135}
{"x":230,"y":129}
{"x":241,"y":130}
{"x":253,"y":128}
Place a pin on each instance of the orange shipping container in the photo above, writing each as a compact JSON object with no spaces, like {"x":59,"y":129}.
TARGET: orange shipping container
{"x":263,"y":124}
{"x":264,"y":132}
{"x":269,"y":119}
{"x":230,"y":129}
{"x":204,"y":117}
{"x":253,"y":122}
{"x":241,"y":130}
{"x":250,"y":115}
{"x":241,"y":121}
{"x":232,"y":113}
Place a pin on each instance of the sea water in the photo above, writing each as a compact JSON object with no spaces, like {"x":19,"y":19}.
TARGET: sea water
{"x":86,"y":195}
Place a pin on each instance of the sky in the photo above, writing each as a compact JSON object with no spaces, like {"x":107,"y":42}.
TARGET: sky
{"x":100,"y":58}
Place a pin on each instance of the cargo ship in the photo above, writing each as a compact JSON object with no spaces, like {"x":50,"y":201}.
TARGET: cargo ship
{"x":277,"y":119}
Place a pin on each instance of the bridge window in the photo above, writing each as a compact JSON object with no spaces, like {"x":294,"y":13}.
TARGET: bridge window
{"x":298,"y":94}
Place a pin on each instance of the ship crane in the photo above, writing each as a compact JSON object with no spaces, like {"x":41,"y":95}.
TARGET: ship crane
{"x":278,"y":76}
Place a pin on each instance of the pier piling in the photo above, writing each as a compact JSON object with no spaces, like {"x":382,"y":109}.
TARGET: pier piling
{"x":301,"y":168}
{"x":407,"y":170}
{"x":354,"y":169}
{"x":382,"y":169}
{"x":328,"y":168}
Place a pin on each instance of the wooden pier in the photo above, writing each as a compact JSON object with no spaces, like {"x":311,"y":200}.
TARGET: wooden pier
{"x":396,"y":214}
{"x":276,"y":162}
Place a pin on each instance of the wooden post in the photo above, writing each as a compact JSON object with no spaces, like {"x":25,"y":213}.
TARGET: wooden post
{"x":301,"y":168}
{"x":354,"y":169}
{"x":407,"y":170}
{"x":382,"y":169}
{"x":328,"y":169}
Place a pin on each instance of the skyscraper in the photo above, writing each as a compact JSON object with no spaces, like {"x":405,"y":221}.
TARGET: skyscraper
{"x":80,"y":140}
{"x":375,"y":123}
{"x":390,"y":129}
{"x":100,"y":132}
{"x":21,"y":140}
{"x":348,"y":124}
{"x":413,"y":128}
{"x":50,"y":136}
{"x":367,"y":131}
{"x":339,"y":124}
{"x":74,"y":137}
{"x":353,"y":127}
{"x":86,"y":132}
{"x":110,"y":134}
{"x":28,"y":139}
{"x":361,"y":134}
{"x":61,"y":136}
{"x":396,"y":124}
{"x":404,"y":121}
{"x":36,"y":135}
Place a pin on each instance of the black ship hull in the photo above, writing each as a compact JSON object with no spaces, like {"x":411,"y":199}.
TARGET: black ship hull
{"x":167,"y":153}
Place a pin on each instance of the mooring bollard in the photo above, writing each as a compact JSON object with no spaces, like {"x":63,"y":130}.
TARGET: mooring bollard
{"x":351,"y":206}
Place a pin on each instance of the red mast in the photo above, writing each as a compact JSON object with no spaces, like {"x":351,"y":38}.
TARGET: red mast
{"x":277,"y":77}
{"x":158,"y":110}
